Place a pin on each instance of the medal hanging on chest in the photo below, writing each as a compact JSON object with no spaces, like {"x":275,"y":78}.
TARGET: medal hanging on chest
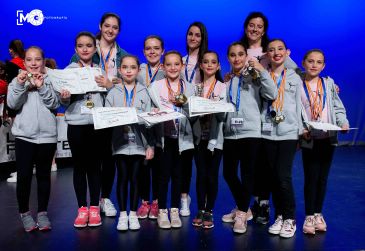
{"x":89,"y":103}
{"x":177,"y":98}
{"x":275,"y":110}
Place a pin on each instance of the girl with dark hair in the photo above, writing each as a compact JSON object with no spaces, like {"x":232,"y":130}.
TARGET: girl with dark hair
{"x":84,"y":141}
{"x":196,"y":45}
{"x":152,"y":71}
{"x":207,"y":155}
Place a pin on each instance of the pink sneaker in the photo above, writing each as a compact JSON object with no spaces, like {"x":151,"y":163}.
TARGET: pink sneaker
{"x":82,"y":217}
{"x":94,"y":216}
{"x":320,"y":223}
{"x":154,"y":210}
{"x":143,"y":210}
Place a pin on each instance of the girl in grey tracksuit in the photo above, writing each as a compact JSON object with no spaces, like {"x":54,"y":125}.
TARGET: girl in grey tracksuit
{"x":33,"y":97}
{"x":241,"y":130}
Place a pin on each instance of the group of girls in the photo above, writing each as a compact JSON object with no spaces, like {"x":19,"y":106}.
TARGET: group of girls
{"x":272,"y":105}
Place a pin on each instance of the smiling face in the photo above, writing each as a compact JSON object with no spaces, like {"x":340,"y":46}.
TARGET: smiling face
{"x":129,"y":69}
{"x":85,"y":48}
{"x":209,"y":64}
{"x":255,"y":29}
{"x":313,"y":64}
{"x":109,"y":29}
{"x":194,"y":38}
{"x":153,"y":51}
{"x":277,"y":52}
{"x":172,"y":66}
{"x":34,"y":61}
{"x":237,"y":57}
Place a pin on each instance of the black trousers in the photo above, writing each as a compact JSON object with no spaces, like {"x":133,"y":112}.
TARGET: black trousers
{"x":107,"y":164}
{"x":261,"y":176}
{"x":207,"y":168}
{"x":187,"y":163}
{"x":280,"y":156}
{"x":128,"y":170}
{"x":316,"y":163}
{"x":148,"y":174}
{"x":171,"y":168}
{"x":85,"y":144}
{"x":242,"y":152}
{"x":28,"y":154}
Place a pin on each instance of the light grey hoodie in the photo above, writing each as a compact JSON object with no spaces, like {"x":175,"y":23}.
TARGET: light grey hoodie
{"x":143,"y":73}
{"x":143,"y":135}
{"x":185,"y":131}
{"x":34,"y":122}
{"x":292,"y":126}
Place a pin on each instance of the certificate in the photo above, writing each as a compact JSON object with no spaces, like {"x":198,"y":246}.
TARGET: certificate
{"x":321,"y":126}
{"x":76,"y":80}
{"x":105,"y":117}
{"x":152,"y":118}
{"x":201,"y":106}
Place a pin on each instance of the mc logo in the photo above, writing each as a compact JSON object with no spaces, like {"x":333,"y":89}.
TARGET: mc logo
{"x":35,"y":17}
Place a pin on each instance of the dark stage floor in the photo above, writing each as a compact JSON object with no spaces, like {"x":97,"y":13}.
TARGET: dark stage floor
{"x":344,"y":211}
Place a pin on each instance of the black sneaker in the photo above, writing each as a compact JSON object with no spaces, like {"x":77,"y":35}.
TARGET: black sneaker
{"x":198,"y":220}
{"x":208,"y":220}
{"x":263,"y":215}
{"x":255,"y":210}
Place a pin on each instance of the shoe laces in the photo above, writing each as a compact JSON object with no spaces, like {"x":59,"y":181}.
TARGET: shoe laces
{"x":309,"y":221}
{"x":94,"y":213}
{"x":278,"y":221}
{"x":288,"y":225}
{"x":108,"y":203}
{"x":319,"y":218}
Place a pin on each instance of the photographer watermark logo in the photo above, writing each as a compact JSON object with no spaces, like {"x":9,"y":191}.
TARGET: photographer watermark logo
{"x":35,"y":17}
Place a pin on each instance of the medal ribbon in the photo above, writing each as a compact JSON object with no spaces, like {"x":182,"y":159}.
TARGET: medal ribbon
{"x":129,"y":97}
{"x":105,"y":60}
{"x":186,"y":70}
{"x":211,"y":89}
{"x":280,"y":83}
{"x":238,"y":97}
{"x":317,"y":101}
{"x":171,"y":95}
{"x":150,"y":77}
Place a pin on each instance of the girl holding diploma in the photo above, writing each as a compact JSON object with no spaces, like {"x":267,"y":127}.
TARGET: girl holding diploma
{"x":207,"y":160}
{"x":241,"y":130}
{"x":281,"y":126}
{"x":32,"y":96}
{"x":322,"y":104}
{"x":84,"y":141}
{"x":172,"y":93}
{"x":107,"y":55}
{"x":130,"y":143}
{"x":150,"y":72}
{"x":196,"y":45}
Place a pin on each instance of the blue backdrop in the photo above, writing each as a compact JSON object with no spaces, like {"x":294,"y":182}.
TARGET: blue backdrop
{"x":336,"y":27}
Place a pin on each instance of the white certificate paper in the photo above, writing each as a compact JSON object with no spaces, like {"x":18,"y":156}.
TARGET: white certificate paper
{"x":105,"y":117}
{"x":201,"y":106}
{"x":76,"y":80}
{"x":321,"y":126}
{"x":152,"y":118}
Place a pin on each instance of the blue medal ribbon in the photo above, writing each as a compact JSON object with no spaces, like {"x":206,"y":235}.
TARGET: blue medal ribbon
{"x":129,"y":96}
{"x":186,"y":71}
{"x":238,"y":97}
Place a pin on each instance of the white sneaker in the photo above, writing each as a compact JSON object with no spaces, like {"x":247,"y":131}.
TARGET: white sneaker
{"x":185,"y":206}
{"x":288,"y":229}
{"x":175,"y":218}
{"x":34,"y":170}
{"x":107,"y":207}
{"x":54,"y":167}
{"x":276,"y":227}
{"x":13,"y":178}
{"x":240,"y":222}
{"x":13,"y":174}
{"x":133,"y":222}
{"x":163,"y":219}
{"x":122,"y":222}
{"x":229,"y":218}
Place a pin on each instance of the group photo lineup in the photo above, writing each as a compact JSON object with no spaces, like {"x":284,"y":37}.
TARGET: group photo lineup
{"x":187,"y":125}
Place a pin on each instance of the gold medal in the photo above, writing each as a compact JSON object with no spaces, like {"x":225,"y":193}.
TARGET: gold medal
{"x":89,"y":104}
{"x":180,"y":99}
{"x":29,"y":75}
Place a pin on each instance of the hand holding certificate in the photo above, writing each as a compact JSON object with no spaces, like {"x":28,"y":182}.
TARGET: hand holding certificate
{"x":201,"y":106}
{"x":76,"y":80}
{"x":152,"y":118}
{"x":105,"y":117}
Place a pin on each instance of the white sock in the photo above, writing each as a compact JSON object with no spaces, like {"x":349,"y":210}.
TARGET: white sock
{"x":132,"y":213}
{"x":123,"y":213}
